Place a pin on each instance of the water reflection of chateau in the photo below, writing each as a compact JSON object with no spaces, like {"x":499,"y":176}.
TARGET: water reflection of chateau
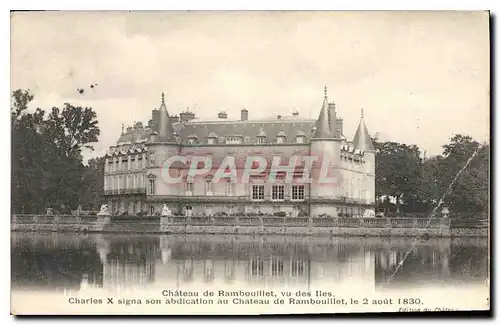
{"x":264,"y":263}
{"x":126,"y":263}
{"x":131,"y":262}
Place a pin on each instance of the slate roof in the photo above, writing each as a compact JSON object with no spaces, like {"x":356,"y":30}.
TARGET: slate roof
{"x":362,"y":139}
{"x":322,"y":124}
{"x":249,"y":129}
{"x":134,"y":135}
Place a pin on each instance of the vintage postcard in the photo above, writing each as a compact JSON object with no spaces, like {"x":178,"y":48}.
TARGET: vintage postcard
{"x":250,"y":162}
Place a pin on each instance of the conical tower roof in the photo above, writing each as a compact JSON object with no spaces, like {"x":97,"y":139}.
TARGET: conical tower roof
{"x":362,"y":139}
{"x":323,"y":124}
{"x":165,"y":128}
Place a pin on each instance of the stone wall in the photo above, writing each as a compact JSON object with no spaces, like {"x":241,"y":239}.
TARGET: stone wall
{"x":244,"y":226}
{"x":306,"y":231}
{"x":469,"y":232}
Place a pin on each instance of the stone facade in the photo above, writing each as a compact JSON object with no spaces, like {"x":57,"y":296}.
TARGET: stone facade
{"x":134,"y":169}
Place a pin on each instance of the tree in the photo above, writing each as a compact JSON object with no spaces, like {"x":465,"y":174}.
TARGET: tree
{"x":470,"y":191}
{"x":47,"y":169}
{"x":397,"y":171}
{"x":91,"y":193}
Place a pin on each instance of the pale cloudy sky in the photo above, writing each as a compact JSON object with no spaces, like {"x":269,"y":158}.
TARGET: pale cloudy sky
{"x":420,"y":76}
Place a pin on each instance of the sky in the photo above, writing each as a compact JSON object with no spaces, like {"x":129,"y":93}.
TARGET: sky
{"x":420,"y":77}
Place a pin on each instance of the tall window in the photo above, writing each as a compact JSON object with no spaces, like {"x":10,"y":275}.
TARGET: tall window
{"x":300,"y":139}
{"x":297,"y":192}
{"x":229,"y":209}
{"x":257,"y":267}
{"x":209,"y":273}
{"x":261,"y":139}
{"x":229,"y":267}
{"x":151,"y":209}
{"x":276,"y":267}
{"x":208,"y":186}
{"x":278,"y":193}
{"x":257,"y":192}
{"x":298,"y":268}
{"x":229,"y":188}
{"x":189,"y":186}
{"x":152,"y":186}
{"x":152,"y":159}
{"x":188,"y":270}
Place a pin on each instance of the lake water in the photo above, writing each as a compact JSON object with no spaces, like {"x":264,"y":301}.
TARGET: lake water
{"x":50,"y":272}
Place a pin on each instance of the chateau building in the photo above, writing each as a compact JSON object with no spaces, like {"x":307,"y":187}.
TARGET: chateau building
{"x":135,"y":173}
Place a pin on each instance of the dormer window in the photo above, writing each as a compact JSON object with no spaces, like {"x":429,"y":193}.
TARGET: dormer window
{"x":233,"y":140}
{"x":261,"y":137}
{"x":192,"y":139}
{"x":300,"y":137}
{"x":177,"y":138}
{"x":281,"y":137}
{"x":211,"y":138}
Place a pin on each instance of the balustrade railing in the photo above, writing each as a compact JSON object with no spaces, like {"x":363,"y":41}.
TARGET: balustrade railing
{"x":138,"y":190}
{"x":312,"y":222}
{"x":262,"y":221}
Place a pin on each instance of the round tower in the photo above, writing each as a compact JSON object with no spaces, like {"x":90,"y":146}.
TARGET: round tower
{"x":325,"y":147}
{"x":363,"y":142}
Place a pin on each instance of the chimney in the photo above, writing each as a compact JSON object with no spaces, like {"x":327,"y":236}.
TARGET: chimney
{"x":222,"y":115}
{"x":278,"y":117}
{"x":156,"y":118}
{"x":244,"y":115}
{"x":186,"y":115}
{"x":295,"y":113}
